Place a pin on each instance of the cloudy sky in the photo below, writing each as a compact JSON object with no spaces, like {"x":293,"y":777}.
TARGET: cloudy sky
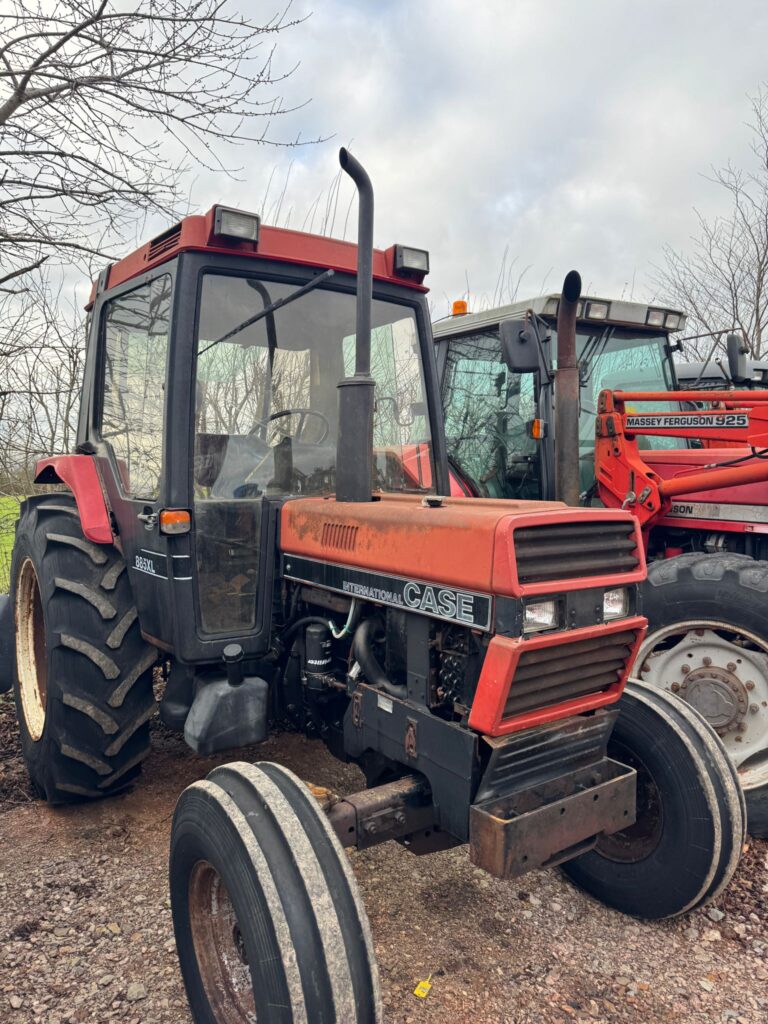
{"x":568,"y":134}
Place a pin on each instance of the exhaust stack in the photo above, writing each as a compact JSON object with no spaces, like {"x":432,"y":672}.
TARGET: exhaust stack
{"x":354,"y":447}
{"x":567,"y":394}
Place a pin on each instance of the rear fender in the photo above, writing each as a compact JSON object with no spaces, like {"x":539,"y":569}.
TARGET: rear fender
{"x":79,"y":474}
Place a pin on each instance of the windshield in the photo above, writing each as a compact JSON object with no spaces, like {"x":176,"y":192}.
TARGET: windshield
{"x":620,"y":359}
{"x":266,"y":402}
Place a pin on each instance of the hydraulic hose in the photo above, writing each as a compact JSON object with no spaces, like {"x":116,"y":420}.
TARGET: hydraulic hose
{"x":362,"y":649}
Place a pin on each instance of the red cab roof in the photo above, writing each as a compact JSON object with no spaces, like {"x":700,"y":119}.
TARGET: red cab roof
{"x":195,"y":233}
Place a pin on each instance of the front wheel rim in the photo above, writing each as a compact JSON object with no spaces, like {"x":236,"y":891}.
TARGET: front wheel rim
{"x":31,"y":654}
{"x":722,"y":671}
{"x":219,"y":947}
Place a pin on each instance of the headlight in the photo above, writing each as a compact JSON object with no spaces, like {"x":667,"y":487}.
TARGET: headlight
{"x":597,"y":310}
{"x":538,"y":615}
{"x":228,"y":223}
{"x":615,"y":603}
{"x":409,"y":259}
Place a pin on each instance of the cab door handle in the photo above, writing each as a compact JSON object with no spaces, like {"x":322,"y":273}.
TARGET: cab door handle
{"x":148,"y":518}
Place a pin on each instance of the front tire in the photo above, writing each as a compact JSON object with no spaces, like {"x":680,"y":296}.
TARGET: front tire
{"x":83,"y":674}
{"x":690,"y":828}
{"x":268,"y":920}
{"x":708,"y":643}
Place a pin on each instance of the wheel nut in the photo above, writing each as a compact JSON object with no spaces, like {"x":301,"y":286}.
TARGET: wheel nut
{"x":749,"y":684}
{"x":731,"y":666}
{"x":675,"y":687}
{"x":706,"y":661}
{"x":686,"y":669}
{"x":753,"y":709}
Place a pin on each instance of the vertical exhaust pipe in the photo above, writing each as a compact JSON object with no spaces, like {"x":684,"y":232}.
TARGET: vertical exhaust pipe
{"x":567,"y":394}
{"x":354,"y":447}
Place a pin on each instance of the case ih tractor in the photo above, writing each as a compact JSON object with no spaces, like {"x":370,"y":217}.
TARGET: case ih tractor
{"x":242,"y":507}
{"x":690,"y":465}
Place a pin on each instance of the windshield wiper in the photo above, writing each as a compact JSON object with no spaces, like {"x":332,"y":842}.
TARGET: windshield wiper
{"x":308,"y":287}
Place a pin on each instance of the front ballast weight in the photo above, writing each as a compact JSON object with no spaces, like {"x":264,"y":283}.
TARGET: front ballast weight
{"x":267,"y":914}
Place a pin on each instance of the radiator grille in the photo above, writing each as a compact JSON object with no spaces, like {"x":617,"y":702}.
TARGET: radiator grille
{"x":340,"y":536}
{"x":567,"y":551}
{"x":551,"y":675}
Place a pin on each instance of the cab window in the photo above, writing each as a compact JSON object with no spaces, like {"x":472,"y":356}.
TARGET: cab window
{"x":135,"y":350}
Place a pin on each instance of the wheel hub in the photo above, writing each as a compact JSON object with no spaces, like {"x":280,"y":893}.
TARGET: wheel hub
{"x":722,"y":672}
{"x":717,"y":694}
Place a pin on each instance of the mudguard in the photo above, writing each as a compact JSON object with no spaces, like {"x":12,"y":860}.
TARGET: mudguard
{"x":79,"y":473}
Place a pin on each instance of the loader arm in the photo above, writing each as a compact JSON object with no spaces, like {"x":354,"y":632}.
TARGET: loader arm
{"x":624,"y":478}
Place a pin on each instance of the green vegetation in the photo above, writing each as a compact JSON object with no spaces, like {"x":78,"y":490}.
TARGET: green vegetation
{"x":9,"y":513}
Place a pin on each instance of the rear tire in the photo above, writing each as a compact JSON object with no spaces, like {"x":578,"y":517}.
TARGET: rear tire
{"x":708,"y":642}
{"x":83,"y":674}
{"x":690,"y":829}
{"x":268,"y":920}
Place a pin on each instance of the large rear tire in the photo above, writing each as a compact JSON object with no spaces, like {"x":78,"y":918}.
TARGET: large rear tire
{"x":268,"y":920}
{"x":708,"y":643}
{"x":83,"y":674}
{"x":687,"y":840}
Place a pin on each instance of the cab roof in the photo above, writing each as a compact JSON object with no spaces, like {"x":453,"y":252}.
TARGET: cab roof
{"x":196,"y":233}
{"x":634,"y":314}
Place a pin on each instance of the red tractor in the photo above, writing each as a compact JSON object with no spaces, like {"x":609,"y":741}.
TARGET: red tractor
{"x":611,"y":424}
{"x":241,"y":513}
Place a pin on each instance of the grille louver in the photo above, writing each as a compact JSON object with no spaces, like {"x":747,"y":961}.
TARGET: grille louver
{"x":562,"y":552}
{"x":339,"y":536}
{"x":164,"y":243}
{"x":551,"y":675}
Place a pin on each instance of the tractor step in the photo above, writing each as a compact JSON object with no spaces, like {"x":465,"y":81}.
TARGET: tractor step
{"x":553,"y":821}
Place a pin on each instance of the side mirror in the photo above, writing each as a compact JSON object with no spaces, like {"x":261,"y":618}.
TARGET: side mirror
{"x":520,"y":346}
{"x":738,"y":364}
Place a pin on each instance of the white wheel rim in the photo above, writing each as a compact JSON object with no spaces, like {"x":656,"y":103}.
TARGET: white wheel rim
{"x":31,"y":658}
{"x":722,"y":671}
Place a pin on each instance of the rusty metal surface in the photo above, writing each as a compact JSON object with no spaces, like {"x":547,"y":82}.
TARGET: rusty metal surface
{"x":375,"y":815}
{"x":551,"y":822}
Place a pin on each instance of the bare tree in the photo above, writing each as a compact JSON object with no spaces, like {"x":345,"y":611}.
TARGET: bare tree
{"x":722,"y":282}
{"x":101,"y":108}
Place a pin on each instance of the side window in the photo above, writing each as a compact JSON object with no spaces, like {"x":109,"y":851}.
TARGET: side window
{"x":135,"y":351}
{"x":486,"y":411}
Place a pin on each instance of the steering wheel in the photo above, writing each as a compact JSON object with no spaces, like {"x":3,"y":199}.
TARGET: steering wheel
{"x":303,"y":414}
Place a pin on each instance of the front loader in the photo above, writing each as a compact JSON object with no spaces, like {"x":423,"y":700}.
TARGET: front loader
{"x":691,"y":465}
{"x":242,"y":516}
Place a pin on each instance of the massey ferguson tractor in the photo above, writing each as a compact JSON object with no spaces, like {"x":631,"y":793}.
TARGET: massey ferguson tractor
{"x":242,"y":513}
{"x":693,"y":472}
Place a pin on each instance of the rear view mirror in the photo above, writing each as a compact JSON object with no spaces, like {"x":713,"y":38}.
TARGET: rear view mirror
{"x":738,"y":364}
{"x":520,"y":346}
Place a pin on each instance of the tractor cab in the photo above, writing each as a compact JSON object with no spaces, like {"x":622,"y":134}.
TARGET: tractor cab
{"x":211,"y":396}
{"x":498,"y":395}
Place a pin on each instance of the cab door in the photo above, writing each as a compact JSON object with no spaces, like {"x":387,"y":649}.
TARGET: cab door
{"x":128,"y":431}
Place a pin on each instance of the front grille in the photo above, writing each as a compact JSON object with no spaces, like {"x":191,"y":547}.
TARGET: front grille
{"x":565,"y":552}
{"x":551,"y":675}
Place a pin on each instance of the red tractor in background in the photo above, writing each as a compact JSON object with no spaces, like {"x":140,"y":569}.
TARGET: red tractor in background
{"x":703,"y":509}
{"x":241,"y":514}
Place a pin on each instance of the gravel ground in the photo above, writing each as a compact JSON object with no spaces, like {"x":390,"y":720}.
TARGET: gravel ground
{"x":85,"y":929}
